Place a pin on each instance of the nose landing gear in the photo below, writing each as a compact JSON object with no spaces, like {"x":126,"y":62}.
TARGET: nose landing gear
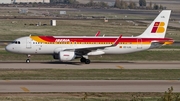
{"x":28,"y":60}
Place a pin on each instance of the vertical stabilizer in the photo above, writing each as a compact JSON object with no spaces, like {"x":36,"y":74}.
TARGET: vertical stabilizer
{"x":157,"y":29}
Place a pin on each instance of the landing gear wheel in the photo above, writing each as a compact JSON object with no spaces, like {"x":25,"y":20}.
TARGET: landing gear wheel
{"x":87,"y":61}
{"x":28,"y":61}
{"x":83,"y":59}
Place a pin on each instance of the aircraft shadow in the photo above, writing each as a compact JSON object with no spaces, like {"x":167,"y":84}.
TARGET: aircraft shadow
{"x":57,"y":62}
{"x":79,"y":63}
{"x":68,"y":63}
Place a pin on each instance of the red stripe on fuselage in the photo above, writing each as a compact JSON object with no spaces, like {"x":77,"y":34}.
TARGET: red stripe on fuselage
{"x":102,"y":39}
{"x":48,"y":38}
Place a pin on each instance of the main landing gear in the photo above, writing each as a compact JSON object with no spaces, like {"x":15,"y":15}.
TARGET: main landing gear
{"x":28,"y":60}
{"x":86,"y":61}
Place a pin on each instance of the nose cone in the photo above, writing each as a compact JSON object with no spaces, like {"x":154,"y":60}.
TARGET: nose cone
{"x":8,"y":48}
{"x":13,"y":48}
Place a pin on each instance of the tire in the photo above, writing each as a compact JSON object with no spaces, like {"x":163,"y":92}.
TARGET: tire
{"x":87,"y":61}
{"x":82,"y":59}
{"x":28,"y":61}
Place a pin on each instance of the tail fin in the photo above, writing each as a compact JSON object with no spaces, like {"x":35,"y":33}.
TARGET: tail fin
{"x":158,"y":27}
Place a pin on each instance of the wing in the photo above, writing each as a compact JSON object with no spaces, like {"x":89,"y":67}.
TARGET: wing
{"x":86,"y":50}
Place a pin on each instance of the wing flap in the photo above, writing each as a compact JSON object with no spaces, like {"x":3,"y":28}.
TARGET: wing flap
{"x":94,"y":49}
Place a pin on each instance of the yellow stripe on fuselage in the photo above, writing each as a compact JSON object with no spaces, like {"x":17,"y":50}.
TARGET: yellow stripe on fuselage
{"x":37,"y":39}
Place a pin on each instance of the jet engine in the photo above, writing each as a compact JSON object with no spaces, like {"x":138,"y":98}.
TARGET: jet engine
{"x":65,"y":56}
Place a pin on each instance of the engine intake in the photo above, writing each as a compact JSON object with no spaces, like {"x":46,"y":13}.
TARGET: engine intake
{"x":65,"y":56}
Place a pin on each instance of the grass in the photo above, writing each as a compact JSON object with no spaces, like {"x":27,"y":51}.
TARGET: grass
{"x":144,"y":55}
{"x":170,"y":47}
{"x":109,"y":15}
{"x":91,"y":74}
{"x":11,"y":31}
{"x":79,"y":97}
{"x":146,"y":96}
{"x":64,"y":27}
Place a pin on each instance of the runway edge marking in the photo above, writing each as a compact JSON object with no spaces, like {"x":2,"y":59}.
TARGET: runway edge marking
{"x":25,"y":89}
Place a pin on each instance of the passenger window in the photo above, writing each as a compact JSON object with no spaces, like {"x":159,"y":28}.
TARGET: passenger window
{"x":18,"y":42}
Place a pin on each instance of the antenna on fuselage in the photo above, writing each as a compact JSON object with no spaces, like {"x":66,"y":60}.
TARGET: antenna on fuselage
{"x":30,"y":35}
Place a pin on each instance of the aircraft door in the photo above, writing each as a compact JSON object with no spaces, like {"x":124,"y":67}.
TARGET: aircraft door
{"x":139,"y":43}
{"x":28,"y":43}
{"x":38,"y":48}
{"x":74,"y":44}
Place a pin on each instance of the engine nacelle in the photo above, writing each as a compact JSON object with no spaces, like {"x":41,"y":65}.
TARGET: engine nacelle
{"x":66,"y":56}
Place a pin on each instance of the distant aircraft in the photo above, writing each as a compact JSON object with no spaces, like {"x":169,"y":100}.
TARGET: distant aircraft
{"x":67,"y":48}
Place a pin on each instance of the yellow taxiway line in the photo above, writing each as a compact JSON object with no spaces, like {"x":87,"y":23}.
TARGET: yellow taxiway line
{"x":25,"y":89}
{"x":120,"y":67}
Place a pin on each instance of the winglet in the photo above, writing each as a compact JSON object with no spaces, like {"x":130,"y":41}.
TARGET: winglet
{"x":117,"y":41}
{"x":97,"y":34}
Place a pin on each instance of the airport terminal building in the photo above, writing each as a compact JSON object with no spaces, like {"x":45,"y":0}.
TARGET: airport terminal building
{"x":23,"y":1}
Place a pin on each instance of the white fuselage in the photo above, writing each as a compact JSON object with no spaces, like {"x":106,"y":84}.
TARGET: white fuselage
{"x":29,"y":46}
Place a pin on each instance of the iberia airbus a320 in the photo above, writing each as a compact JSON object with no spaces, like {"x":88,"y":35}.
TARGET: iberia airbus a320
{"x":67,"y":48}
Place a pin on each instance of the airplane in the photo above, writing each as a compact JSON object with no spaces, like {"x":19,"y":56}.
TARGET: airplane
{"x":67,"y":48}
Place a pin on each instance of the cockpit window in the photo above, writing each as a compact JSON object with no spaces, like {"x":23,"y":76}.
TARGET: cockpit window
{"x":16,"y":42}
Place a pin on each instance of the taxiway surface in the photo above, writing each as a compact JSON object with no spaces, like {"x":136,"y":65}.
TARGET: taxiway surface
{"x":88,"y":85}
{"x":93,"y":65}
